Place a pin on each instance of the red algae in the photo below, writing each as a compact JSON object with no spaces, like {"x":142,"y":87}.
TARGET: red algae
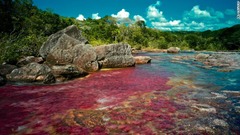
{"x":30,"y":109}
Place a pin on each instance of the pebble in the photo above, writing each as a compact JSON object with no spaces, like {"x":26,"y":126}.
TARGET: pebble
{"x":204,"y":108}
{"x":219,"y":122}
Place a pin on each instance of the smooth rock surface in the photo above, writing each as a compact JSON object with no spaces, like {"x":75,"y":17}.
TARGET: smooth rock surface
{"x":71,"y":32}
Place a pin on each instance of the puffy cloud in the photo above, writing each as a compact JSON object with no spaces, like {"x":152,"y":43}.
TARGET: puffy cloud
{"x":96,"y":16}
{"x":123,"y":14}
{"x":138,"y":18}
{"x":81,"y":17}
{"x":231,"y":12}
{"x":197,"y":12}
{"x":153,"y":13}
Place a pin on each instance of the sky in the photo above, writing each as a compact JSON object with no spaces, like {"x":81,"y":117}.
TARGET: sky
{"x":167,"y":15}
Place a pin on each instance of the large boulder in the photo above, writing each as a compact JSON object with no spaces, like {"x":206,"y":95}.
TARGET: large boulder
{"x":115,"y":55}
{"x":31,"y":73}
{"x":68,"y":47}
{"x":142,"y":59}
{"x":173,"y":50}
{"x":71,"y":32}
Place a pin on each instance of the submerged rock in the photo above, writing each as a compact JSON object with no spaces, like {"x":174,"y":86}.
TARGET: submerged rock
{"x":30,"y":73}
{"x":142,"y":59}
{"x":115,"y":55}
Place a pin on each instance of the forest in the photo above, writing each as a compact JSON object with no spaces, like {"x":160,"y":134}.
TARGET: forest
{"x":24,"y":28}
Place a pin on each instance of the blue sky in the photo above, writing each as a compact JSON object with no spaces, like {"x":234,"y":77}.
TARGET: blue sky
{"x":196,"y":15}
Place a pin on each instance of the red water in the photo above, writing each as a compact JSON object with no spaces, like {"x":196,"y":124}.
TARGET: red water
{"x":40,"y":109}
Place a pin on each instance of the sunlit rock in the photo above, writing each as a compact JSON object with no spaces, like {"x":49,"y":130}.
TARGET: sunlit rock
{"x":115,"y":55}
{"x":219,"y":122}
{"x":173,"y":50}
{"x":202,"y":56}
{"x":142,"y":59}
{"x":204,"y":108}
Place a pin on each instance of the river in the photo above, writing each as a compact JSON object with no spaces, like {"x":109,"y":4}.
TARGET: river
{"x":163,"y":97}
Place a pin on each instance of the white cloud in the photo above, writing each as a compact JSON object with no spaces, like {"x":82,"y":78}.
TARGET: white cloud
{"x":81,"y":17}
{"x":199,"y":13}
{"x":209,"y":14}
{"x":123,"y":14}
{"x":138,"y":18}
{"x":154,"y":14}
{"x":122,"y":17}
{"x":96,"y":16}
{"x":231,"y":12}
{"x":194,"y":19}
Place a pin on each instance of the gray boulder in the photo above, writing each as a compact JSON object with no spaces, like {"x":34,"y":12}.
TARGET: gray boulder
{"x":6,"y":69}
{"x":85,"y":58}
{"x":30,"y":73}
{"x":71,"y":31}
{"x":66,"y":72}
{"x":115,"y":55}
{"x":68,"y":47}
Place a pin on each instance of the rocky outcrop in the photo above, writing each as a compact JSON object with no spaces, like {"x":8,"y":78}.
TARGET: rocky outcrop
{"x":173,"y":50}
{"x":67,"y":55}
{"x":70,"y":32}
{"x":114,"y":55}
{"x":31,"y":73}
{"x":142,"y":59}
{"x":29,"y":59}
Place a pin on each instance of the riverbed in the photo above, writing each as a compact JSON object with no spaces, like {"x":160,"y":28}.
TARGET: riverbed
{"x":162,"y":97}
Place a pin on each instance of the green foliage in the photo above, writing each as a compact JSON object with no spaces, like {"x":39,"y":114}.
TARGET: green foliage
{"x":24,"y":28}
